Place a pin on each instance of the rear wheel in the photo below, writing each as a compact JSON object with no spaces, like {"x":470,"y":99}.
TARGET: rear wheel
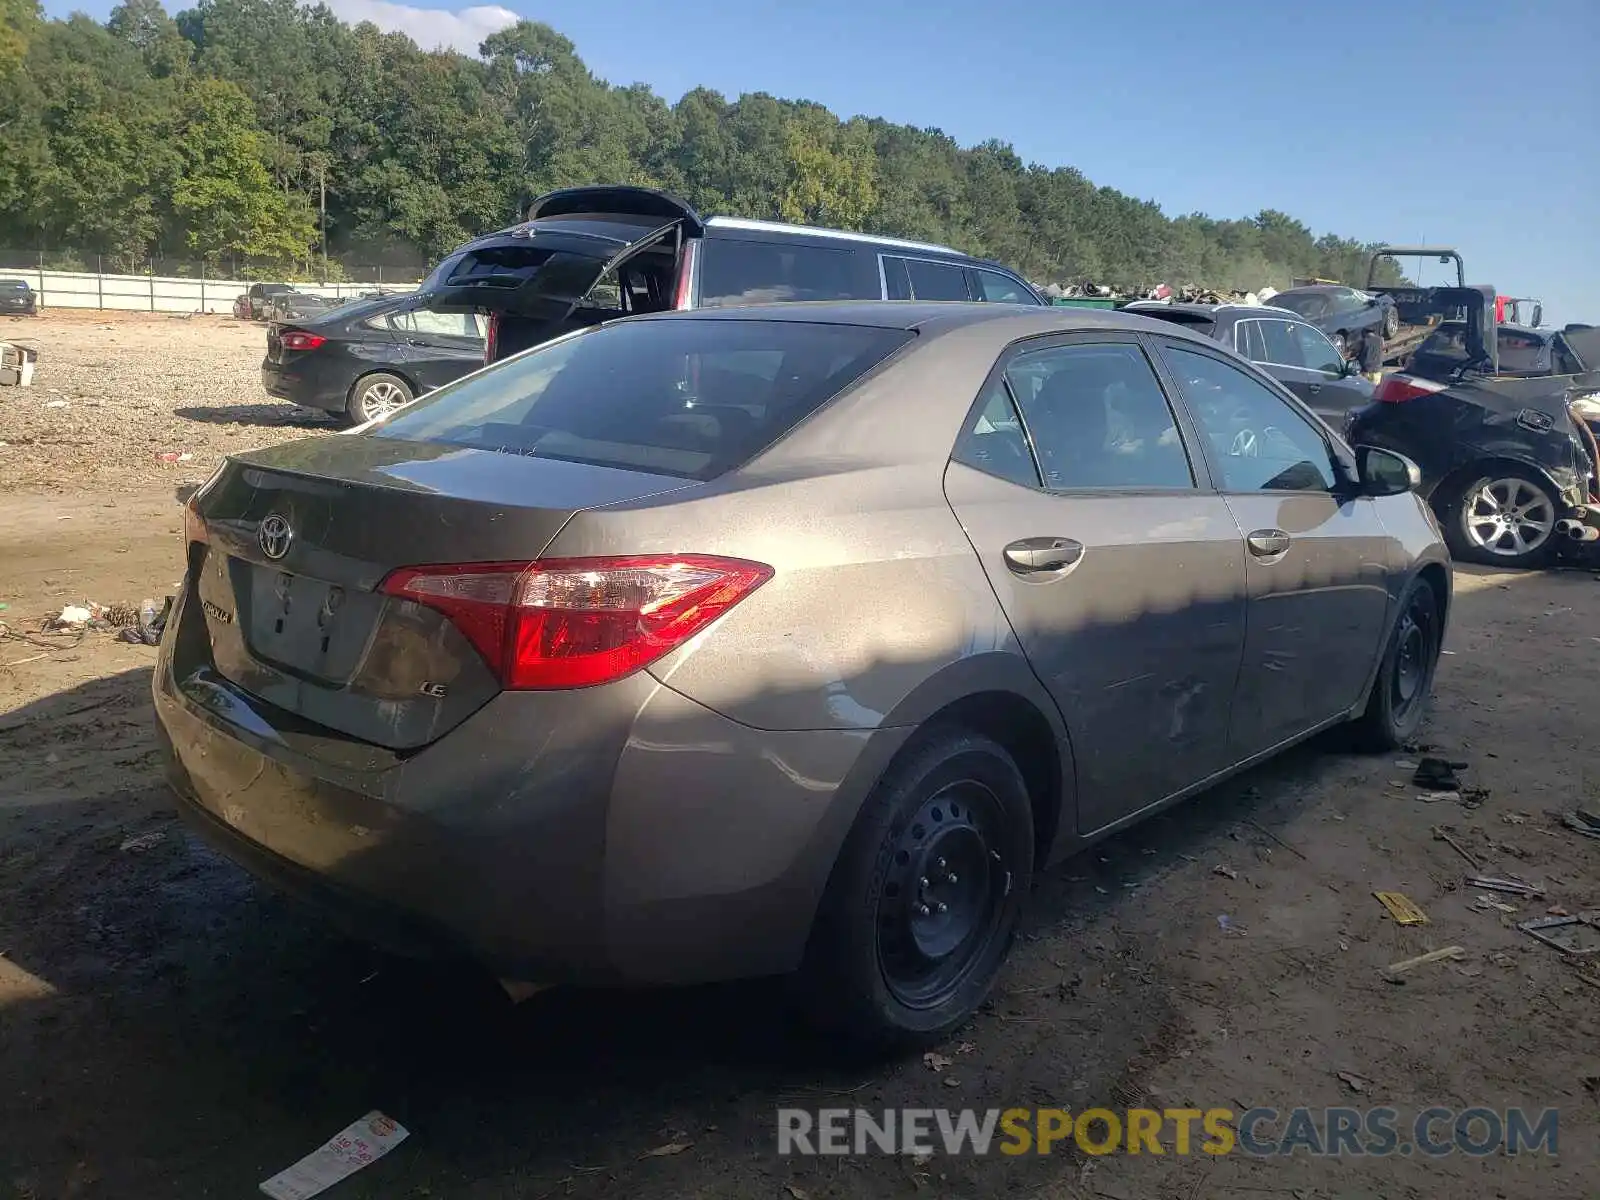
{"x":1404,"y":684}
{"x":375,"y":396}
{"x":1506,"y":518}
{"x":1391,"y":322}
{"x":924,"y":898}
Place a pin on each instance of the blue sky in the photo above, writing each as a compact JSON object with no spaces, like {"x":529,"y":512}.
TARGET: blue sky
{"x":1475,"y":123}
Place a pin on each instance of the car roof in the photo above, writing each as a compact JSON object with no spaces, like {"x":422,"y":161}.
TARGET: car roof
{"x":1318,"y":289}
{"x":1214,"y":310}
{"x":937,"y":317}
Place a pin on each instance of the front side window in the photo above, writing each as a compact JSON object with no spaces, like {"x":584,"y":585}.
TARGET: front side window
{"x":1316,"y":351}
{"x":740,"y":272}
{"x":1002,"y":289}
{"x":684,"y":397}
{"x":1258,"y":441}
{"x":437,"y":324}
{"x":1281,"y":347}
{"x":1099,"y":418}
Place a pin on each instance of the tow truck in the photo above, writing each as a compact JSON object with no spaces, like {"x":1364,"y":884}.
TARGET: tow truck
{"x":1421,"y":309}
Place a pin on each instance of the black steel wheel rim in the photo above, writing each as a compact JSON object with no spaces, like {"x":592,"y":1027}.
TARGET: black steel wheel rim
{"x":941,"y":905}
{"x":1415,"y":646}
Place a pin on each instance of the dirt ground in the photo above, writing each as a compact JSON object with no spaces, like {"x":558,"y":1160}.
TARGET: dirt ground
{"x":168,"y":1028}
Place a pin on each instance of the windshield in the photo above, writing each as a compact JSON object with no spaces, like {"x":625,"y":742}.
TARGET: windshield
{"x":1311,"y":306}
{"x":13,"y":285}
{"x":1521,"y":352}
{"x":688,"y":397}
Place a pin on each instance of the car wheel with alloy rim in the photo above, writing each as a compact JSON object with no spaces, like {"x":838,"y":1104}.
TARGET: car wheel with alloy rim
{"x":376,"y":396}
{"x":1507,"y":519}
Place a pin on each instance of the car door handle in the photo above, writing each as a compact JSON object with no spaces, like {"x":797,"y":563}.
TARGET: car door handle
{"x":1264,"y":543}
{"x":1042,"y":555}
{"x":1313,"y":388}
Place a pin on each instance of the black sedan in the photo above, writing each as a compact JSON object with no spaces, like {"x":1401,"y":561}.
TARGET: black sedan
{"x":1293,"y":352}
{"x":17,"y":297}
{"x":1343,"y":313}
{"x":364,"y":359}
{"x":1501,"y":434}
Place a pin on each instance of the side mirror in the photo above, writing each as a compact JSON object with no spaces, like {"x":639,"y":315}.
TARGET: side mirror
{"x":1385,"y":473}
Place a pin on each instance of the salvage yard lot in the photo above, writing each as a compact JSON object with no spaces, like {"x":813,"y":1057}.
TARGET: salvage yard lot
{"x":170,"y":1029}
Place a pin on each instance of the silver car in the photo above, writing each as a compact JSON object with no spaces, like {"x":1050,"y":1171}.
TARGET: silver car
{"x":781,"y":640}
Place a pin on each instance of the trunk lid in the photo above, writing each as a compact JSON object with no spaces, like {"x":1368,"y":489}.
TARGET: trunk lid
{"x":298,"y":539}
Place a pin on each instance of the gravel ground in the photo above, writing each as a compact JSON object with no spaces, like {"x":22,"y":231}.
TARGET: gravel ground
{"x":115,"y":392}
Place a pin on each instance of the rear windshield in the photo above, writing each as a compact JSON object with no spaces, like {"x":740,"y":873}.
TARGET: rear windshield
{"x":1312,"y":306}
{"x":691,"y":398}
{"x":1520,"y":351}
{"x":13,"y":285}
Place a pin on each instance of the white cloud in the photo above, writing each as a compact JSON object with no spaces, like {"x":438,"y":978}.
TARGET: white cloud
{"x":459,"y":29}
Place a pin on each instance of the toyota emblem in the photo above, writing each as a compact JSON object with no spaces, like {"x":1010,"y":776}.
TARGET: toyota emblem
{"x":275,"y":536}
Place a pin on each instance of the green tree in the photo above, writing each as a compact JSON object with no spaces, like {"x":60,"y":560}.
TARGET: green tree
{"x":224,"y":195}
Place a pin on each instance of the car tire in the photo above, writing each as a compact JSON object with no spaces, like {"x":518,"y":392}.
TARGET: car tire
{"x":924,"y":898}
{"x":1341,"y":344}
{"x":1470,"y":516}
{"x":376,"y":395}
{"x":1391,"y":322}
{"x":1400,"y":693}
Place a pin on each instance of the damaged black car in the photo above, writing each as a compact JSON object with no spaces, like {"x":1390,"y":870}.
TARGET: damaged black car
{"x":1508,"y":451}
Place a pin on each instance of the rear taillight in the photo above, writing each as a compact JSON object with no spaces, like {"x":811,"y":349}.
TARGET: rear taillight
{"x":681,"y":294}
{"x":1393,"y":389}
{"x":298,"y":339}
{"x":577,"y":622}
{"x":194,"y":527}
{"x":491,"y":339}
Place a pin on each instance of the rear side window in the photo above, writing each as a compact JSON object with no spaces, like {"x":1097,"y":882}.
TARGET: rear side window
{"x":738,"y":272}
{"x":936,"y":280}
{"x":691,"y":398}
{"x":1002,"y":289}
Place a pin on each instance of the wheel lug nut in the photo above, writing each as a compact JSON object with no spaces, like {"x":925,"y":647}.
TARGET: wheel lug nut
{"x":923,"y":910}
{"x":939,"y":863}
{"x":951,"y":878}
{"x":942,"y":907}
{"x":923,"y":882}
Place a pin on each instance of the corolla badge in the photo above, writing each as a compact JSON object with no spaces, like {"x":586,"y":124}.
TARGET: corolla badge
{"x":275,"y":536}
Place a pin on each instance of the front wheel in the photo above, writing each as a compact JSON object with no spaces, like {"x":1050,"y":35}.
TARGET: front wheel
{"x":923,"y":901}
{"x":375,"y":396}
{"x":1391,"y":322}
{"x":1504,"y":519}
{"x":1400,"y":694}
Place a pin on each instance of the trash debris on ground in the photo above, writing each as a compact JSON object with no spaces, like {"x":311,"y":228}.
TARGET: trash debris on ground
{"x":1225,"y":872}
{"x":1515,"y":887}
{"x":1579,"y":934}
{"x":1393,"y":970}
{"x":935,"y":1062}
{"x":950,"y":1081}
{"x":1440,"y":834}
{"x":56,"y":404}
{"x":1439,"y":797}
{"x":357,"y":1145}
{"x":668,"y":1150}
{"x":150,"y":623}
{"x":171,"y":457}
{"x":1356,"y":1083}
{"x":1401,"y":908}
{"x":1488,"y":903}
{"x":73,"y":616}
{"x":1228,"y":925}
{"x":145,"y":841}
{"x":1555,"y":910}
{"x":17,"y":364}
{"x":1405,"y":764}
{"x":1512,"y":818}
{"x":1582,"y":822}
{"x":1438,"y":774}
